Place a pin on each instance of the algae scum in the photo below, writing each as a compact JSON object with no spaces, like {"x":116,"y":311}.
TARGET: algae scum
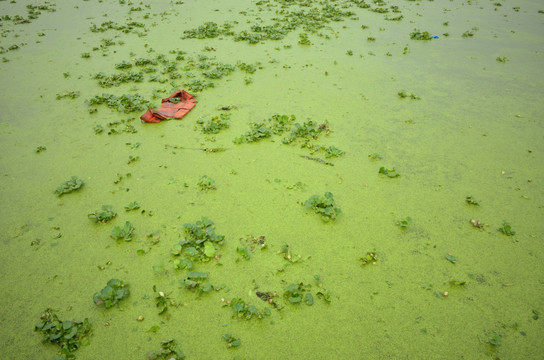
{"x":358,"y":180}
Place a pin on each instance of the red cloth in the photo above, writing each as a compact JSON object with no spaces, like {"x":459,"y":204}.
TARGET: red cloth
{"x":169,"y":109}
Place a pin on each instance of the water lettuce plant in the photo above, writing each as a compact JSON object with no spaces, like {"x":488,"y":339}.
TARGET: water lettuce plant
{"x":198,"y":245}
{"x":69,"y":335}
{"x":506,"y":229}
{"x":403,"y":224}
{"x":369,"y":258}
{"x":169,"y":350}
{"x":112,"y":293}
{"x":324,"y":206}
{"x":104,"y":215}
{"x":392,"y":173}
{"x":69,"y":185}
{"x":243,"y":310}
{"x":231,"y":341}
{"x":297,"y":293}
{"x":124,"y":233}
{"x":206,"y":183}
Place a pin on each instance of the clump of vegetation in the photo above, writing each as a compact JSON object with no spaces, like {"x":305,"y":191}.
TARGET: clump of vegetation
{"x":392,"y":173}
{"x":215,"y":124}
{"x":232,"y":342}
{"x":169,"y":350}
{"x":69,"y":185}
{"x":69,"y":335}
{"x":243,"y":310}
{"x":403,"y":94}
{"x":324,"y":206}
{"x":297,"y":293}
{"x":451,"y":258}
{"x":502,"y":59}
{"x":369,"y":258}
{"x":275,"y":125}
{"x":198,"y":245}
{"x":477,"y":224}
{"x":206,"y":183}
{"x":418,"y":35}
{"x":375,"y":156}
{"x":68,"y":94}
{"x":133,"y":205}
{"x":163,"y":301}
{"x":403,"y":224}
{"x":104,"y":215}
{"x":247,"y":246}
{"x":471,"y":200}
{"x":494,"y":339}
{"x":124,"y":233}
{"x":112,"y":293}
{"x":196,"y":281}
{"x":288,"y":255}
{"x":125,"y":103}
{"x":39,"y":149}
{"x":506,"y":229}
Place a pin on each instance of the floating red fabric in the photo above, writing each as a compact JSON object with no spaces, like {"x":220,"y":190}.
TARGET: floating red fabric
{"x":175,"y":106}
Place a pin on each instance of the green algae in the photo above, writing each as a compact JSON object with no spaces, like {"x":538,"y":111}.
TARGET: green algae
{"x":465,"y":133}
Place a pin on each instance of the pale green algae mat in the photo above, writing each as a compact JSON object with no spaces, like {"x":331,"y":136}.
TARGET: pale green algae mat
{"x":358,"y":180}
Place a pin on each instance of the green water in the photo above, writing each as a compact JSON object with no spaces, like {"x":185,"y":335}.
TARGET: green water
{"x":476,"y":131}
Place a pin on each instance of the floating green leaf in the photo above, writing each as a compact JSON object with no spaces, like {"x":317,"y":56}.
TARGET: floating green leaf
{"x":169,"y":351}
{"x":124,"y":233}
{"x":324,"y":206}
{"x":69,"y":185}
{"x":112,"y":293}
{"x":104,"y":215}
{"x":506,"y":229}
{"x":388,"y":172}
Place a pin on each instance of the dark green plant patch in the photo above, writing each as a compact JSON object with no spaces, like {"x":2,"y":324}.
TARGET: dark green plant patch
{"x":403,"y":95}
{"x":287,"y":253}
{"x":298,"y":293}
{"x":104,"y":215}
{"x":133,"y":205}
{"x":275,"y":125}
{"x":457,"y":283}
{"x":169,"y":350}
{"x":107,"y":81}
{"x":125,"y":103}
{"x":198,"y":245}
{"x":375,"y":157}
{"x":163,"y":301}
{"x":115,"y":291}
{"x":403,"y":224}
{"x":451,"y":258}
{"x":245,"y":311}
{"x":124,"y":233}
{"x":68,"y":94}
{"x":506,"y":229}
{"x":214,"y":124}
{"x":494,"y":339}
{"x":418,"y":35}
{"x":391,"y":173}
{"x":69,"y":335}
{"x":232,"y":342}
{"x":206,"y":183}
{"x":471,"y":200}
{"x":369,"y":258}
{"x":324,"y":206}
{"x":69,"y":185}
{"x":197,"y":282}
{"x":39,"y":149}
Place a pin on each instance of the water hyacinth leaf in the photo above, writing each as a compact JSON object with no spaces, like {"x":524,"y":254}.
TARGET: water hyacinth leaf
{"x":309,"y":299}
{"x":209,"y":249}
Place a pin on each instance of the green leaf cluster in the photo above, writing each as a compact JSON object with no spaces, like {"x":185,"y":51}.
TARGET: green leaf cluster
{"x":206,"y":183}
{"x":403,"y":224}
{"x":196,"y":281}
{"x":104,"y":215}
{"x":112,"y":293}
{"x":107,"y":81}
{"x":69,"y":185}
{"x":388,"y":172}
{"x":418,"y":35}
{"x":471,"y":200}
{"x":69,"y":335}
{"x":506,"y":229}
{"x":243,"y":310}
{"x":125,"y":103}
{"x":215,"y":124}
{"x":232,"y":342}
{"x":169,"y":350}
{"x":297,"y":293}
{"x":369,"y":258}
{"x":324,"y":206}
{"x":199,"y":243}
{"x":124,"y":233}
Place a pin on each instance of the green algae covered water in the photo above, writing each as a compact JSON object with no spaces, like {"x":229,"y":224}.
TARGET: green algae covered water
{"x":411,"y":267}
